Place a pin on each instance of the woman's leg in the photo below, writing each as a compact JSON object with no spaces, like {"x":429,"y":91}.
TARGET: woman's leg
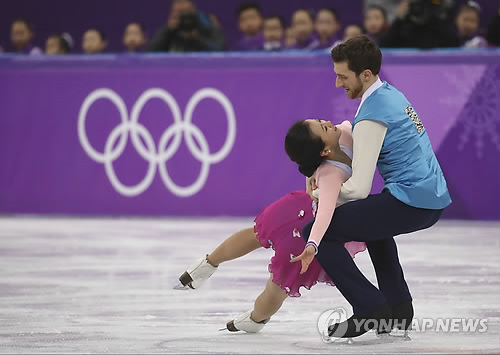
{"x":237,"y":245}
{"x":268,"y":302}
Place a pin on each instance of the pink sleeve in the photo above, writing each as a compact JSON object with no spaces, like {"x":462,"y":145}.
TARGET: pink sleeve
{"x":329,"y":179}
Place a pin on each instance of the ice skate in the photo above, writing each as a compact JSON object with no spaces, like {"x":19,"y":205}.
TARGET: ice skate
{"x":196,"y":274}
{"x":356,"y":326}
{"x":245,"y":323}
{"x":402,"y":316}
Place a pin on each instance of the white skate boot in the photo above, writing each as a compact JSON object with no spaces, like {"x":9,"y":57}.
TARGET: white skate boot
{"x":246,"y":323}
{"x":196,"y":274}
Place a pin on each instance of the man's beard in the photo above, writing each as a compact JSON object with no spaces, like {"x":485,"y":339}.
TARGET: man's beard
{"x":356,"y":90}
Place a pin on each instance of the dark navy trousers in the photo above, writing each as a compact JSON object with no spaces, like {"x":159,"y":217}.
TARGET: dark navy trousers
{"x":375,"y":220}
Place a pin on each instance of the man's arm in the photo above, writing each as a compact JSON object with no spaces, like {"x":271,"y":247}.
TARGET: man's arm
{"x":368,"y":137}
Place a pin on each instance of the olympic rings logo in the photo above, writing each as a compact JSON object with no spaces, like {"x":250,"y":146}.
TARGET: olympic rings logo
{"x":157,"y":157}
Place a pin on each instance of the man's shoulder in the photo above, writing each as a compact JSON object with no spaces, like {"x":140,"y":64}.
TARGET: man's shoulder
{"x":384,"y":95}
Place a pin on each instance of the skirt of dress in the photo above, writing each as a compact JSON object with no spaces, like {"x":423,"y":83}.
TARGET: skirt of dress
{"x":279,"y":226}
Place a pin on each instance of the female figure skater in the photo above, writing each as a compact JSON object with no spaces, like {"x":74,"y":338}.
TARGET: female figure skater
{"x":323,"y":153}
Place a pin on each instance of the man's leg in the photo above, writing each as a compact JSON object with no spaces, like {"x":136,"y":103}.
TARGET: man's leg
{"x":390,"y":277}
{"x":363,"y":296}
{"x":378,"y":217}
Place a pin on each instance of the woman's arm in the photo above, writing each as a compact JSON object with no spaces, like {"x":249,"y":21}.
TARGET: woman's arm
{"x":368,"y":137}
{"x":330,"y":180}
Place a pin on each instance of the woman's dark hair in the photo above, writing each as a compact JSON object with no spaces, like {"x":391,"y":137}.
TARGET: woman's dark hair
{"x":360,"y":53}
{"x":304,"y":148}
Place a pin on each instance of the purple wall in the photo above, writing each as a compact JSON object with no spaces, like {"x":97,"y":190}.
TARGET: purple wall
{"x":202,"y":135}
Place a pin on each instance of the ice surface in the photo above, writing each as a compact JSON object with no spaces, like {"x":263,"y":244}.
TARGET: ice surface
{"x":72,"y":285}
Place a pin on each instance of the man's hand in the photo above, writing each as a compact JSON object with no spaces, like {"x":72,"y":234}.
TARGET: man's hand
{"x":310,"y":187}
{"x":306,"y":258}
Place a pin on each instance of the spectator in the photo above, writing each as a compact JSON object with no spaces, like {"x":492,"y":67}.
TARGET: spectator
{"x":274,"y":33}
{"x":375,"y":22}
{"x":303,"y":28}
{"x":327,"y":26}
{"x":493,"y":35}
{"x":58,"y":44}
{"x":134,"y":37}
{"x":188,"y":30}
{"x":467,"y":22}
{"x":421,"y":24}
{"x":21,"y":35}
{"x":352,"y":31}
{"x":250,"y":23}
{"x":390,"y":7}
{"x":94,"y":41}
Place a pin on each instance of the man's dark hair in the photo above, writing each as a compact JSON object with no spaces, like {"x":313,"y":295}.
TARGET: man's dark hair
{"x":249,"y":6}
{"x":360,"y":53}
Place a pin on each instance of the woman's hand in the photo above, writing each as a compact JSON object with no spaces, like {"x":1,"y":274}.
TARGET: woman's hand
{"x":306,"y":258}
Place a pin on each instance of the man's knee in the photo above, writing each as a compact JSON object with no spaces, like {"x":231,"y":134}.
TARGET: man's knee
{"x":306,"y":231}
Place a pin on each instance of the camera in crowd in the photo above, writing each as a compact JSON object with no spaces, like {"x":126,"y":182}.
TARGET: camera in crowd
{"x":189,"y":22}
{"x":422,"y":12}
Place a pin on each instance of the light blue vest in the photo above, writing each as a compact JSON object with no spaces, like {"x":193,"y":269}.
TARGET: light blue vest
{"x":407,"y":162}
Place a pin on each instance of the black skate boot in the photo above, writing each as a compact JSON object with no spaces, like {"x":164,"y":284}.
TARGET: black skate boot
{"x":402,"y":316}
{"x":379,"y":320}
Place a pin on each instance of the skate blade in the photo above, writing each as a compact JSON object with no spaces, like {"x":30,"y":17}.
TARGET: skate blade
{"x":392,"y":338}
{"x":222,"y":329}
{"x":181,"y":287}
{"x":398,"y":334}
{"x":379,"y":339}
{"x":332,"y":340}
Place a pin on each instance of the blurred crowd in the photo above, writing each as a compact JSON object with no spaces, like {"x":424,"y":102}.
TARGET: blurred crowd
{"x":397,"y":24}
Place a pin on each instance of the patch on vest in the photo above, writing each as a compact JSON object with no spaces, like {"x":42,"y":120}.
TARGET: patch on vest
{"x":414,"y":117}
